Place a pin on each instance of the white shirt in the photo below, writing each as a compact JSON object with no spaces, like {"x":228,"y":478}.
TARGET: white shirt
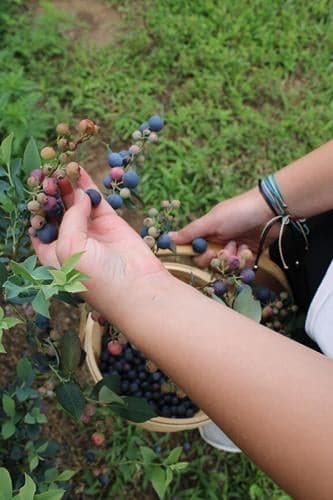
{"x":319,"y":320}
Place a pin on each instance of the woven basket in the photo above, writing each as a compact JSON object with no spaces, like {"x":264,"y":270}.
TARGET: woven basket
{"x":91,"y":332}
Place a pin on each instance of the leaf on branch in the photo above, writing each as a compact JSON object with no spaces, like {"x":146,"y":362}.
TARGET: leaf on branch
{"x":135,"y":409}
{"x":6,"y":149}
{"x":71,"y":398}
{"x":31,"y":158}
{"x":247,"y":305}
{"x":70,"y":263}
{"x":107,"y":396}
{"x":6,"y":490}
{"x":40,"y":304}
{"x":110,"y":381}
{"x":70,"y":352}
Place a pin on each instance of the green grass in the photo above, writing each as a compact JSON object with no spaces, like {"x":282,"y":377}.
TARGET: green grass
{"x":245,"y":88}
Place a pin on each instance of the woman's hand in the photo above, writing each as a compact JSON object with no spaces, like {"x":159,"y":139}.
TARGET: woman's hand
{"x":241,"y":219}
{"x":115,"y":257}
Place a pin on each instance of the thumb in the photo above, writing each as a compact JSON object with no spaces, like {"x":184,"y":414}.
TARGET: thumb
{"x":74,"y":226}
{"x":196,"y":229}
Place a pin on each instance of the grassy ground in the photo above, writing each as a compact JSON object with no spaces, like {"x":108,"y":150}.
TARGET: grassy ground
{"x":245,"y":87}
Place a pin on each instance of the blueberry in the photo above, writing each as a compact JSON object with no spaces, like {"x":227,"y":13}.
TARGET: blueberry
{"x":155,"y":123}
{"x":125,"y":386}
{"x":90,"y":456}
{"x":186,"y":446}
{"x":104,"y":479}
{"x":142,"y":376}
{"x":163,"y":241}
{"x":118,"y":366}
{"x":95,"y":197}
{"x":263,"y":293}
{"x":115,"y":200}
{"x":190,"y":412}
{"x":199,"y":245}
{"x":128,"y":355}
{"x":220,"y":287}
{"x":143,"y":126}
{"x":130,"y":179}
{"x":247,"y":275}
{"x":144,"y":232}
{"x":115,"y":160}
{"x":131,"y":375}
{"x":107,"y":180}
{"x":42,"y":322}
{"x":147,"y":395}
{"x":126,"y":156}
{"x":157,"y":448}
{"x":48,"y":233}
{"x":181,"y":410}
{"x":156,"y":376}
{"x":134,"y":386}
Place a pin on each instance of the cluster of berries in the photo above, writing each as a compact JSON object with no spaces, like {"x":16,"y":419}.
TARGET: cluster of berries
{"x":278,"y":310}
{"x":157,"y":225}
{"x":141,"y":378}
{"x":123,"y":178}
{"x":46,"y":206}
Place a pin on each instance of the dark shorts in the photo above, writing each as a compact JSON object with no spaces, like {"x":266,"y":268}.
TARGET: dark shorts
{"x":306,"y":277}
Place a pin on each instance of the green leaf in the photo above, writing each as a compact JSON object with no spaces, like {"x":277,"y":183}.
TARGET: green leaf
{"x":8,"y":429}
{"x":3,"y":273}
{"x":70,"y":263}
{"x":27,"y":491}
{"x":29,"y":419}
{"x":247,"y":305}
{"x":179,"y":466}
{"x":2,"y":347}
{"x":173,"y":456}
{"x":41,"y":273}
{"x":8,"y":405}
{"x":54,"y":494}
{"x":59,"y":276}
{"x":169,"y":477}
{"x":71,"y":398}
{"x":148,"y":454}
{"x":105,"y":395}
{"x":70,"y":352}
{"x":75,"y":287}
{"x":135,"y":409}
{"x":110,"y":381}
{"x":10,"y":322}
{"x":31,"y":158}
{"x":127,"y":471}
{"x":6,"y":149}
{"x":24,"y":371}
{"x":30,"y":263}
{"x":33,"y":463}
{"x":6,"y":487}
{"x":158,"y":481}
{"x":66,"y":475}
{"x":21,"y":270}
{"x":40,"y":304}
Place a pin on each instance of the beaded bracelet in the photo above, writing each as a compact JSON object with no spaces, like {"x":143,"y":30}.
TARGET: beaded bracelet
{"x":272,"y":195}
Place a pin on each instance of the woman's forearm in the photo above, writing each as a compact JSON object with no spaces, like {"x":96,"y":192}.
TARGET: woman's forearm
{"x":271,"y":395}
{"x":307,"y":183}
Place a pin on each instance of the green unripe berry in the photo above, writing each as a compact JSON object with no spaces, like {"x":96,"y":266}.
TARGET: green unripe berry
{"x":33,"y":206}
{"x":154,"y":232}
{"x":283,"y":295}
{"x":150,"y":241}
{"x":175,"y":203}
{"x":48,"y":153}
{"x":215,"y":263}
{"x":41,"y":198}
{"x":125,"y":193}
{"x":153,"y":212}
{"x":148,"y":222}
{"x":136,"y":135}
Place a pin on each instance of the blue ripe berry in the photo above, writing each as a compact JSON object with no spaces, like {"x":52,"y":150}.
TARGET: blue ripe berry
{"x":143,"y":126}
{"x":48,"y":233}
{"x":220,"y":287}
{"x":95,"y":197}
{"x":157,"y":448}
{"x":107,"y":180}
{"x":163,"y":241}
{"x":155,"y":123}
{"x":144,"y":232}
{"x":104,"y":479}
{"x":42,"y":322}
{"x":115,"y":160}
{"x":90,"y":456}
{"x":199,"y":245}
{"x":126,"y":156}
{"x":130,"y":179}
{"x":186,"y":446}
{"x":262,"y":293}
{"x":115,"y":200}
{"x":247,"y":275}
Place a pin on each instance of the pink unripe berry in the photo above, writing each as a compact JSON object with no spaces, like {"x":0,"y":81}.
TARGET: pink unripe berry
{"x":50,"y":203}
{"x":50,"y":186}
{"x":85,"y":419}
{"x":148,"y":222}
{"x":134,"y":149}
{"x":267,"y":312}
{"x":153,"y":137}
{"x":32,"y":231}
{"x":62,"y":143}
{"x":37,"y":221}
{"x":33,"y":206}
{"x":89,"y":410}
{"x":117,"y":173}
{"x":32,"y":181}
{"x":48,"y":153}
{"x":233,"y":262}
{"x":71,"y":146}
{"x":41,"y":198}
{"x":64,"y":158}
{"x":165,"y":204}
{"x":125,"y":193}
{"x":115,"y":348}
{"x":87,"y":126}
{"x":47,"y":169}
{"x":63,"y":129}
{"x":59,"y":174}
{"x":38,"y":173}
{"x":97,"y":439}
{"x":73,"y":170}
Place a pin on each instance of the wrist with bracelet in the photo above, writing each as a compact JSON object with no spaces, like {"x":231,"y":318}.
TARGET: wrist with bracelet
{"x":272,"y":195}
